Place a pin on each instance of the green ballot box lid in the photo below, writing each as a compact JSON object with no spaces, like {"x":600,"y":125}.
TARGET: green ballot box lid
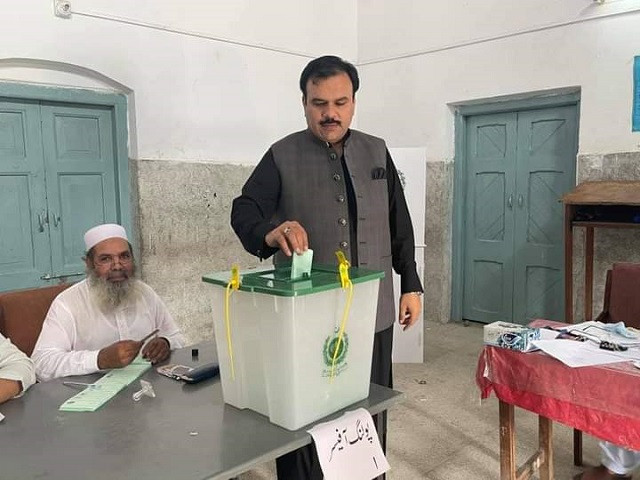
{"x":277,"y":281}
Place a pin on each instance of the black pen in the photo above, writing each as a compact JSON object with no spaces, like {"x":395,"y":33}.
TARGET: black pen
{"x":150,"y":335}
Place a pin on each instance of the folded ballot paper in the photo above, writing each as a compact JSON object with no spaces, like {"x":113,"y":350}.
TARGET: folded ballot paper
{"x":301,"y":265}
{"x":100,"y":392}
{"x":511,"y":336}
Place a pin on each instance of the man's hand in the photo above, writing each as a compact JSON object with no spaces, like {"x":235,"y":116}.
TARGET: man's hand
{"x":119,"y":354}
{"x":9,"y":389}
{"x":410,"y":307}
{"x":156,"y":350}
{"x":289,"y":237}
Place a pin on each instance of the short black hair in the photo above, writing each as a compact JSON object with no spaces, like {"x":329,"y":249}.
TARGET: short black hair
{"x":325,"y":67}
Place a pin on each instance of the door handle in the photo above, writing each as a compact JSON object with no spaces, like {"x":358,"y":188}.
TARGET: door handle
{"x":510,"y":201}
{"x":520,"y":200}
{"x":46,"y":276}
{"x":56,"y":220}
{"x":42,"y":219}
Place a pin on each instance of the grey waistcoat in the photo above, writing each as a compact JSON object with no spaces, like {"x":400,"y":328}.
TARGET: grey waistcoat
{"x":314,"y":194}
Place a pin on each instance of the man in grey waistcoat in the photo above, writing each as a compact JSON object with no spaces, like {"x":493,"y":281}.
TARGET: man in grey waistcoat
{"x":332,"y":188}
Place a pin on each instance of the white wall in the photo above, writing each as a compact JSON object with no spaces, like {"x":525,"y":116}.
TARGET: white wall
{"x":207,"y":100}
{"x":405,"y":99}
{"x":195,"y":98}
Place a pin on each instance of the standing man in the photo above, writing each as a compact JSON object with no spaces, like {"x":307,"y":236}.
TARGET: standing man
{"x":16,"y":371}
{"x":97,"y":324}
{"x":333,"y":188}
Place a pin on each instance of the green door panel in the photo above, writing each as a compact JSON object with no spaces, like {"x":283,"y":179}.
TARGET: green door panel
{"x":80,"y":176}
{"x":547,"y":147}
{"x":24,"y":235}
{"x":488,"y":280}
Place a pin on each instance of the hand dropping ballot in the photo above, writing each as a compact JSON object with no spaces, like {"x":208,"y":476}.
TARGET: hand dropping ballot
{"x":349,"y":448}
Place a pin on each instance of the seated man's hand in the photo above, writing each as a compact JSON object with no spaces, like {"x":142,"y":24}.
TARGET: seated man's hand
{"x":9,"y":389}
{"x":156,"y":350}
{"x":119,"y":354}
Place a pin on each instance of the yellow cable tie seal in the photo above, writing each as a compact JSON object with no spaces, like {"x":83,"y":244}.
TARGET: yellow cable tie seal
{"x":343,"y":269}
{"x":234,"y":284}
{"x":345,"y":281}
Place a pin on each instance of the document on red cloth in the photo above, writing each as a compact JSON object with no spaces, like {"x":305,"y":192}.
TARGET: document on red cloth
{"x":583,"y":354}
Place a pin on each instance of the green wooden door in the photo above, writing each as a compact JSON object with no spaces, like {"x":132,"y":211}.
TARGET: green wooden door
{"x":58,"y":177}
{"x":547,"y":146}
{"x":24,"y":233}
{"x":519,"y":164}
{"x":489,"y":230}
{"x":80,"y":177}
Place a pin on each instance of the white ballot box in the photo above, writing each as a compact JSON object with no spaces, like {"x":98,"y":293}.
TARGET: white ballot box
{"x":277,"y":339}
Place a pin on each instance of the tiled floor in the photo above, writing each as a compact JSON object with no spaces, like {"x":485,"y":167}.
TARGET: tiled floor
{"x":441,"y":431}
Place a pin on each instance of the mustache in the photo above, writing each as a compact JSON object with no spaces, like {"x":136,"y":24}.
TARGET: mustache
{"x":330,"y":121}
{"x":118,"y":274}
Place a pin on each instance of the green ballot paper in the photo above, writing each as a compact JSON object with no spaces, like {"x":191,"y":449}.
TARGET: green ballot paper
{"x":100,"y":392}
{"x":301,"y":265}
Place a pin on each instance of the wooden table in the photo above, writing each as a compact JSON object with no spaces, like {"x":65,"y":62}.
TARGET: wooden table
{"x":614,"y":202}
{"x":612,"y":205}
{"x":601,"y":401}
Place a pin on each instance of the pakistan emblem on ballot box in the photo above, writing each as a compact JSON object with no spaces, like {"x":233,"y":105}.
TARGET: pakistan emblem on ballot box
{"x":328,"y":351}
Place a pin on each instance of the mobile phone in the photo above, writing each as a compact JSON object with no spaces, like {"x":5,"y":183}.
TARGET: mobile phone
{"x":199,"y":374}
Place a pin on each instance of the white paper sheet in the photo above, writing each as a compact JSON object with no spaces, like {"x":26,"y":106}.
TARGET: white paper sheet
{"x":547,"y":334}
{"x":349,"y":448}
{"x":583,"y":354}
{"x":600,"y":331}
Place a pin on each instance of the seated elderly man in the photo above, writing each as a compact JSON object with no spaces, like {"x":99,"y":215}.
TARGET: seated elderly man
{"x":98,"y":323}
{"x":16,"y":371}
{"x":617,"y":463}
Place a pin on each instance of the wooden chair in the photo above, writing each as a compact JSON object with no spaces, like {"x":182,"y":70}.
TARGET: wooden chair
{"x":22,"y":313}
{"x":621,"y":304}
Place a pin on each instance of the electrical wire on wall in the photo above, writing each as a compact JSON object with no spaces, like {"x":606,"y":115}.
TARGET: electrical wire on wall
{"x":64,"y":9}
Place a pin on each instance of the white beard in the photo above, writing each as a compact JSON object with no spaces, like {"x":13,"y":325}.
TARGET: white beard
{"x":109,"y":295}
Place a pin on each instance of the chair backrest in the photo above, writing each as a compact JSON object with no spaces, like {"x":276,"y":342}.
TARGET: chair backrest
{"x":22,"y":313}
{"x":622,"y":295}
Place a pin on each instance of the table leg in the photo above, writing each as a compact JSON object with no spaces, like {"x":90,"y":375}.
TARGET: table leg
{"x":588,"y":274}
{"x":577,"y":447}
{"x":507,"y":442}
{"x":568,"y":264}
{"x":545,"y":437}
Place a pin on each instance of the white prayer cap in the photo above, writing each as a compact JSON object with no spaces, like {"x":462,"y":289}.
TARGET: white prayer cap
{"x":97,"y":234}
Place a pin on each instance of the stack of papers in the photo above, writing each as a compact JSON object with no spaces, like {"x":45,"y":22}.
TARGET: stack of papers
{"x":588,"y":353}
{"x":583,"y":354}
{"x":127,"y":374}
{"x":606,"y":332}
{"x":91,"y":398}
{"x":100,"y":392}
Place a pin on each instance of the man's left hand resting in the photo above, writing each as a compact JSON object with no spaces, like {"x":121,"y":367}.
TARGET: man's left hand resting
{"x":156,"y":350}
{"x":410,"y":307}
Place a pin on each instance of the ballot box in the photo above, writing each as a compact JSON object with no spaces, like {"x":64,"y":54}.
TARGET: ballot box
{"x":280,"y":346}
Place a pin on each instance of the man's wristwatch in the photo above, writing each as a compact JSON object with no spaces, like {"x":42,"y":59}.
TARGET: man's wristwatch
{"x":417,"y":294}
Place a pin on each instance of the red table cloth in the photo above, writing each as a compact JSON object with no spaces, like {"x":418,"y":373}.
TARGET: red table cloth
{"x":603,"y":401}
